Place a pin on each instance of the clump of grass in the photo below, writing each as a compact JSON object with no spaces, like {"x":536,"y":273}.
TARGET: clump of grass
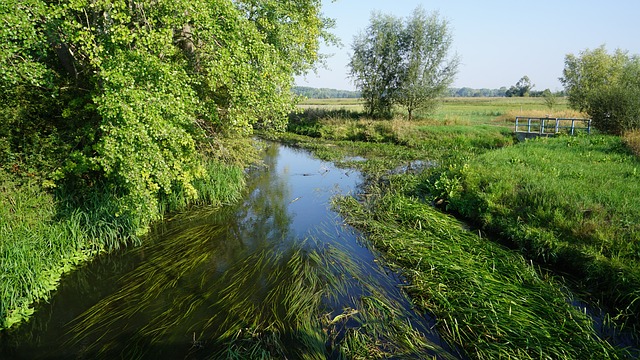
{"x":35,"y":248}
{"x":565,"y":201}
{"x":44,"y":235}
{"x":488,"y":300}
{"x":632,"y":140}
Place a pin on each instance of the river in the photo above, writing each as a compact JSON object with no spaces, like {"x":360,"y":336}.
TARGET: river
{"x":207,"y":282}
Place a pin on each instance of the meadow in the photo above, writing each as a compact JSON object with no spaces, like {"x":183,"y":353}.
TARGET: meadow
{"x":563,"y":207}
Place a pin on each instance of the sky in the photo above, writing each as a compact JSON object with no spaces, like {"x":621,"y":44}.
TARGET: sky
{"x":498,"y":42}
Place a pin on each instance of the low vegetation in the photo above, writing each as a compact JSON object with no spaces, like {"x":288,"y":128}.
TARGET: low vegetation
{"x":563,"y":203}
{"x":43,"y":237}
{"x":566,"y":202}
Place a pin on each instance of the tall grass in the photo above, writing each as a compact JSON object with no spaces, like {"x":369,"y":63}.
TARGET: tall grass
{"x":35,"y":249}
{"x":569,"y":202}
{"x":43,"y":236}
{"x":632,"y":140}
{"x":488,"y":300}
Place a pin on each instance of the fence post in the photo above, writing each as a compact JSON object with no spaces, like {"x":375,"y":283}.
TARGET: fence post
{"x":517,"y":123}
{"x":557,"y":125}
{"x":529,"y":125}
{"x":541,"y":126}
{"x":573,"y":124}
{"x":589,"y":127}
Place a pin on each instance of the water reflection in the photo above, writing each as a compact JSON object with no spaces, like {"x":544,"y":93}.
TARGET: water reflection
{"x":276,"y":276}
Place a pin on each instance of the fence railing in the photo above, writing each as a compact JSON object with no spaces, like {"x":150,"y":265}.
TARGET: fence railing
{"x":549,"y":126}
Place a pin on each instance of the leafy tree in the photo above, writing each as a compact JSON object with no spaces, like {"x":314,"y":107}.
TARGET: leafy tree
{"x":375,"y":63}
{"x":403,"y":62}
{"x":127,"y":92}
{"x":426,"y":69}
{"x":521,"y":89}
{"x":605,"y":86}
{"x":550,"y":99}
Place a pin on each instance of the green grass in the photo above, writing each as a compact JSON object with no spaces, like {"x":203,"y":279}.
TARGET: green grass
{"x":570,"y":202}
{"x":488,"y":300}
{"x":35,"y":249}
{"x":43,"y":235}
{"x":462,"y":111}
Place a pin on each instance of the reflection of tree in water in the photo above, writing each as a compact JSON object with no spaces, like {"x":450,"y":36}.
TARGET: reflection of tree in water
{"x":264,"y":220}
{"x":179,"y":280}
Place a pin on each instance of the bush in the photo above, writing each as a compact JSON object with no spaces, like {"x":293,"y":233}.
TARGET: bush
{"x":607,"y":87}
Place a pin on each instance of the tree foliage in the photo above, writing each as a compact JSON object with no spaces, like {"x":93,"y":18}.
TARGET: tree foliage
{"x":404,"y":62}
{"x":605,"y":86}
{"x":426,"y":69}
{"x":521,"y":89}
{"x":125,"y":92}
{"x":375,"y":63}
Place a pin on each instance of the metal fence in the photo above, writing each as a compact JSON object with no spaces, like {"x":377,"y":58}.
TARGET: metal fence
{"x":551,"y":126}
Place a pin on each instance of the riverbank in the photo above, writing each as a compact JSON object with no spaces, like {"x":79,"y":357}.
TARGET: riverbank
{"x":42,"y":238}
{"x":414,"y":165}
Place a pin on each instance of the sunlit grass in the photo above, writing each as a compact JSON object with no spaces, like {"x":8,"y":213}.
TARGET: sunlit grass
{"x":487,"y":299}
{"x":569,"y":202}
{"x":43,"y":235}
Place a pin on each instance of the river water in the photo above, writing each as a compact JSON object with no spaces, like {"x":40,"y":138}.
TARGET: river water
{"x":209,"y":275}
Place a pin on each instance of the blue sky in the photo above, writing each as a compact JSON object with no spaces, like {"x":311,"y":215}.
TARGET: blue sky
{"x":498,"y":42}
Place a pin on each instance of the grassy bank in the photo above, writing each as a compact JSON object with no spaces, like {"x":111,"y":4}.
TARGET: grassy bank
{"x":43,"y":235}
{"x":570,"y":202}
{"x":491,"y":301}
{"x":488,"y":300}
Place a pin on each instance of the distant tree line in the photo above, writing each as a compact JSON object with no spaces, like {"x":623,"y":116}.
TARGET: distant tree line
{"x":324,"y":93}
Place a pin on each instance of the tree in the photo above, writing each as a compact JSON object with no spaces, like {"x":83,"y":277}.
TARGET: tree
{"x":127,"y":92}
{"x":375,"y":62}
{"x":521,"y":89}
{"x":605,"y":86}
{"x":550,"y":99}
{"x":426,"y":69}
{"x":403,"y":62}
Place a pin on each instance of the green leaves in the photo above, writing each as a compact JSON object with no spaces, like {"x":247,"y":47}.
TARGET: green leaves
{"x":606,"y":87}
{"x":128,"y":90}
{"x":403,"y":62}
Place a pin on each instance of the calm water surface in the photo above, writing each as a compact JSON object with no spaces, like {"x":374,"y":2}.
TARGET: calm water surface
{"x":169,"y":297}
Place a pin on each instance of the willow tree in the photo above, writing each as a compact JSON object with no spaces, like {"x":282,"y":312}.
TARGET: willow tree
{"x":427,"y":69}
{"x":375,"y":62}
{"x":605,"y":86}
{"x":124,"y":92}
{"x":404,"y":62}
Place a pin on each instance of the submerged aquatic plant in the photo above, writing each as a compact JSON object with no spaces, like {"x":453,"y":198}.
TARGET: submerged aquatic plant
{"x":487,"y":299}
{"x":309,"y":300}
